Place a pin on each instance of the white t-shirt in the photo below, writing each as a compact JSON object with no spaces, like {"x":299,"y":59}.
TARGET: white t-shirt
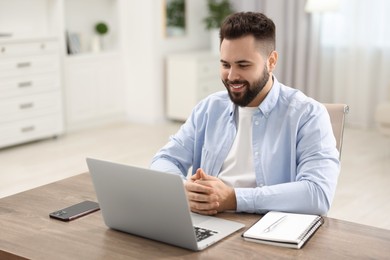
{"x":238,"y":170}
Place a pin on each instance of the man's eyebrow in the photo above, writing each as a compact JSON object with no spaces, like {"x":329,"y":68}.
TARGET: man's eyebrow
{"x":242,"y":61}
{"x":236,"y":62}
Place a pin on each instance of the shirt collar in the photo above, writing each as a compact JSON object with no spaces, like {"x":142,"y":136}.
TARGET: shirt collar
{"x":270,"y":100}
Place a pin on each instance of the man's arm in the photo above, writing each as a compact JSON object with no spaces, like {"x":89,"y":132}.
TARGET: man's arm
{"x":208,"y":195}
{"x":301,"y":197}
{"x":177,"y":155}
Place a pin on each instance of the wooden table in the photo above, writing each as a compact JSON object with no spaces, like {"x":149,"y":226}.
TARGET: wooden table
{"x":26,"y":231}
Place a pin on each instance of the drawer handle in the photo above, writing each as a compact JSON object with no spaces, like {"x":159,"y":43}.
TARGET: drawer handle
{"x":27,"y":129}
{"x":25,"y":84}
{"x":2,"y":49}
{"x":26,"y":105}
{"x":23,"y":64}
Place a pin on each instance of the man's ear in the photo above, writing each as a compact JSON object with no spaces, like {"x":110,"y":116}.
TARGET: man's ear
{"x":272,"y":60}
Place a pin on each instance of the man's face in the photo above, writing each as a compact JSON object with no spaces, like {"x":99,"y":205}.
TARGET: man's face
{"x":244,"y":71}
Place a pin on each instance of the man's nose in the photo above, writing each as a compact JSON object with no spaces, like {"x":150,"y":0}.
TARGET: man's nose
{"x":233,"y":75}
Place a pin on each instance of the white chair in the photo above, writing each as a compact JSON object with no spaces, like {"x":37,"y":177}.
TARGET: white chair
{"x":337,"y":114}
{"x":382,"y":117}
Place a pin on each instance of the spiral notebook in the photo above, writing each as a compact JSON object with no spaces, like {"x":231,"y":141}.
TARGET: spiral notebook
{"x":283,"y":229}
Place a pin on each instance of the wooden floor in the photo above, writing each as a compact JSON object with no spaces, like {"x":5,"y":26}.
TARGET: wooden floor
{"x":363,"y":192}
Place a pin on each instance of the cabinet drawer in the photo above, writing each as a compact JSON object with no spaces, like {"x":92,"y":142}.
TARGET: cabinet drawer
{"x":27,"y":85}
{"x":28,"y":65}
{"x":29,"y":106}
{"x":30,"y":129}
{"x":28,"y":48}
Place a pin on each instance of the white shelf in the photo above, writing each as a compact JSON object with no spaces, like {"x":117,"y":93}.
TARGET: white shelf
{"x":28,"y":39}
{"x":81,"y":16}
{"x":93,"y":55}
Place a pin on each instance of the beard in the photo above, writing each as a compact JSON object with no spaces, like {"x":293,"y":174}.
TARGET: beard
{"x":252,"y":90}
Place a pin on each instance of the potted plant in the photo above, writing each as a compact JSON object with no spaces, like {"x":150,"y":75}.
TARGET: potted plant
{"x":217,"y":12}
{"x":176,"y":17}
{"x":101,"y":29}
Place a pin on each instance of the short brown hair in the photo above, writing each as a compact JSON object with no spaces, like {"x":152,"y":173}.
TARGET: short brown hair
{"x":242,"y":24}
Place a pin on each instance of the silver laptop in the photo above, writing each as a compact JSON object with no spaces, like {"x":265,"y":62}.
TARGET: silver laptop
{"x":153,"y":205}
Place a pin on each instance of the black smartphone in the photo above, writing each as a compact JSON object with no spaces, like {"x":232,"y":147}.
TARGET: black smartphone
{"x":75,"y":211}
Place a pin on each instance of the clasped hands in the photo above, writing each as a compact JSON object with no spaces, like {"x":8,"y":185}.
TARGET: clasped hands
{"x":208,"y":195}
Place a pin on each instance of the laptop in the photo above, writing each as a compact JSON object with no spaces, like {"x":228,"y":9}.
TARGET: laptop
{"x":153,"y":205}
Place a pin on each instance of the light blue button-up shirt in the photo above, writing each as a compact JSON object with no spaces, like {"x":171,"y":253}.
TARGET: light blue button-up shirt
{"x":294,"y":150}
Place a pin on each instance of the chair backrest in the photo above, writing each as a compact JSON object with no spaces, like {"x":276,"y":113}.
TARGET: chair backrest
{"x":337,"y":114}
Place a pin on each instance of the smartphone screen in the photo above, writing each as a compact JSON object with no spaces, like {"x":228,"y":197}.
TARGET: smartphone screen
{"x":75,"y":211}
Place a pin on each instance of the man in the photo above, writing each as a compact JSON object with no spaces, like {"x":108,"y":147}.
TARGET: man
{"x":261,"y":145}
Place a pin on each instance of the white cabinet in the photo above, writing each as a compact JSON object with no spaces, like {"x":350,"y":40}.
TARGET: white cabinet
{"x":94,"y":80}
{"x":30,"y":93}
{"x":37,"y":75}
{"x":31,"y":47}
{"x":190,"y":78}
{"x":94,"y":89}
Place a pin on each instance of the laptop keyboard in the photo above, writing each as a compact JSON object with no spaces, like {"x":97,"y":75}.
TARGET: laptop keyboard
{"x":202,"y":233}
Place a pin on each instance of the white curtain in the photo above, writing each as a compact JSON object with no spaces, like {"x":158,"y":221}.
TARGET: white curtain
{"x":354,"y":59}
{"x":293,"y":41}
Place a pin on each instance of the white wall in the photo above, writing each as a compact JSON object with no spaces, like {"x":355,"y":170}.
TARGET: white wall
{"x":145,"y":49}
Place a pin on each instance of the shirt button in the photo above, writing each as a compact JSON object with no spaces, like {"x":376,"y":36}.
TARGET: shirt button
{"x":261,"y":185}
{"x":256,"y":153}
{"x":256,"y":122}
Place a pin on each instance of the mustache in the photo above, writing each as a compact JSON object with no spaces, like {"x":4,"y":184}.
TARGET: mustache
{"x":236,"y":82}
